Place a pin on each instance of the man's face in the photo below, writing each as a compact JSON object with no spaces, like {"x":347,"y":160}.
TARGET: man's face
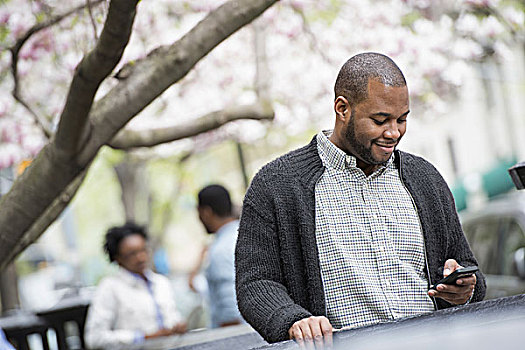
{"x":133,"y":253}
{"x":376,"y":125}
{"x":205,"y":214}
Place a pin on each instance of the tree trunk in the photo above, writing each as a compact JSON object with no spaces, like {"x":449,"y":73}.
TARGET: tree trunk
{"x":135,"y":194}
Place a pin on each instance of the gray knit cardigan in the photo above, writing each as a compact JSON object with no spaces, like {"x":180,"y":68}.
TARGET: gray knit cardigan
{"x":278,"y":278}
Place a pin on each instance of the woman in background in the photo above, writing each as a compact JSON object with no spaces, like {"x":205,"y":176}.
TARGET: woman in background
{"x":135,"y":303}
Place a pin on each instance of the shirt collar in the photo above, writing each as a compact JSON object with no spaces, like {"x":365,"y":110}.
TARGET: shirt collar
{"x":330,"y":154}
{"x":334,"y":157}
{"x":133,"y":277}
{"x":226,"y":227}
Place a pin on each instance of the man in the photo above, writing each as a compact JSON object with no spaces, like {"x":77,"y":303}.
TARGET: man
{"x":135,"y":303}
{"x":215,"y":213}
{"x":347,"y":231}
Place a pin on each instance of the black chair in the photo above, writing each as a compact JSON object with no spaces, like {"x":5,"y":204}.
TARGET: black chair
{"x":67,"y":319}
{"x":18,"y":326}
{"x":69,"y":311}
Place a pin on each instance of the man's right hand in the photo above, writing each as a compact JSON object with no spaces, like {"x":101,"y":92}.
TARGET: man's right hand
{"x":314,"y":328}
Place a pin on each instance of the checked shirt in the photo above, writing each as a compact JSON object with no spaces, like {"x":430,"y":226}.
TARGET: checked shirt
{"x":370,"y":243}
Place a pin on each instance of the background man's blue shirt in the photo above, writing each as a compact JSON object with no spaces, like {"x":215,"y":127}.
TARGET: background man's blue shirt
{"x":220,"y":274}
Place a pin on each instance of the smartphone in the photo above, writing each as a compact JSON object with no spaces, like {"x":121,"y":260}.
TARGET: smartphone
{"x":457,"y":274}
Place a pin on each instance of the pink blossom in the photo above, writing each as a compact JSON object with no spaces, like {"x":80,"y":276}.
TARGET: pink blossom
{"x":4,"y":162}
{"x":4,"y":18}
{"x":491,"y":27}
{"x":44,"y":41}
{"x":515,"y":17}
{"x":300,"y":5}
{"x":38,"y":6}
{"x":3,"y":108}
{"x":480,"y":3}
{"x":19,"y":30}
{"x":10,"y":154}
{"x":28,"y":53}
{"x":293,"y":33}
{"x":41,"y":44}
{"x":225,"y":82}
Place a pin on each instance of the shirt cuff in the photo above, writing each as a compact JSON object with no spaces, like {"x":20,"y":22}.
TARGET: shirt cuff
{"x":139,"y":337}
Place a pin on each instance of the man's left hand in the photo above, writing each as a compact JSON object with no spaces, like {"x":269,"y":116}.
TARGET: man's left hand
{"x":458,"y":293}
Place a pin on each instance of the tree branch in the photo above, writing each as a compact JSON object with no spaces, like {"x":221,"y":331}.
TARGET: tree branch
{"x":49,"y":23}
{"x":15,"y":50}
{"x":40,"y":121}
{"x":27,"y":203}
{"x":93,"y":23}
{"x":90,"y":73}
{"x":146,"y":138}
{"x":262,"y":83}
{"x":145,"y":79}
{"x":313,"y":40}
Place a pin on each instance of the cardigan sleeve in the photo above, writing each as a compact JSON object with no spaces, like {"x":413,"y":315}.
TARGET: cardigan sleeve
{"x":262,"y":297}
{"x":459,"y":249}
{"x":444,"y":237}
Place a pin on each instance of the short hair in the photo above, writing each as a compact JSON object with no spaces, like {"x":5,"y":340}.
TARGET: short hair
{"x":352,"y":80}
{"x":116,"y":234}
{"x":217,"y":198}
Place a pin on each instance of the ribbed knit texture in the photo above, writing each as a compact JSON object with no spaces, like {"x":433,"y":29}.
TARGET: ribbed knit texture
{"x":278,"y":277}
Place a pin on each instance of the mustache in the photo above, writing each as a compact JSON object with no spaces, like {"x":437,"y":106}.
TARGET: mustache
{"x":387,"y":142}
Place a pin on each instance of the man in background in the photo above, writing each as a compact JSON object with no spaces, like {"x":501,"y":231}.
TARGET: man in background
{"x":215,"y":213}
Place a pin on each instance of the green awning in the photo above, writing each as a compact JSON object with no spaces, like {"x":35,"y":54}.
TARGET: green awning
{"x":460,"y":196}
{"x":495,"y":181}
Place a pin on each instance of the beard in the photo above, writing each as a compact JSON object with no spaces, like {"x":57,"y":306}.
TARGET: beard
{"x":361,"y":151}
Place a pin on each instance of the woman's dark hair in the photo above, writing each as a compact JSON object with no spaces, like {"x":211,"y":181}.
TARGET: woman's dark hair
{"x":116,"y":234}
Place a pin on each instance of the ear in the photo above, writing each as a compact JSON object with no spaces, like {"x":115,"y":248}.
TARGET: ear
{"x":205,"y":211}
{"x":341,"y":108}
